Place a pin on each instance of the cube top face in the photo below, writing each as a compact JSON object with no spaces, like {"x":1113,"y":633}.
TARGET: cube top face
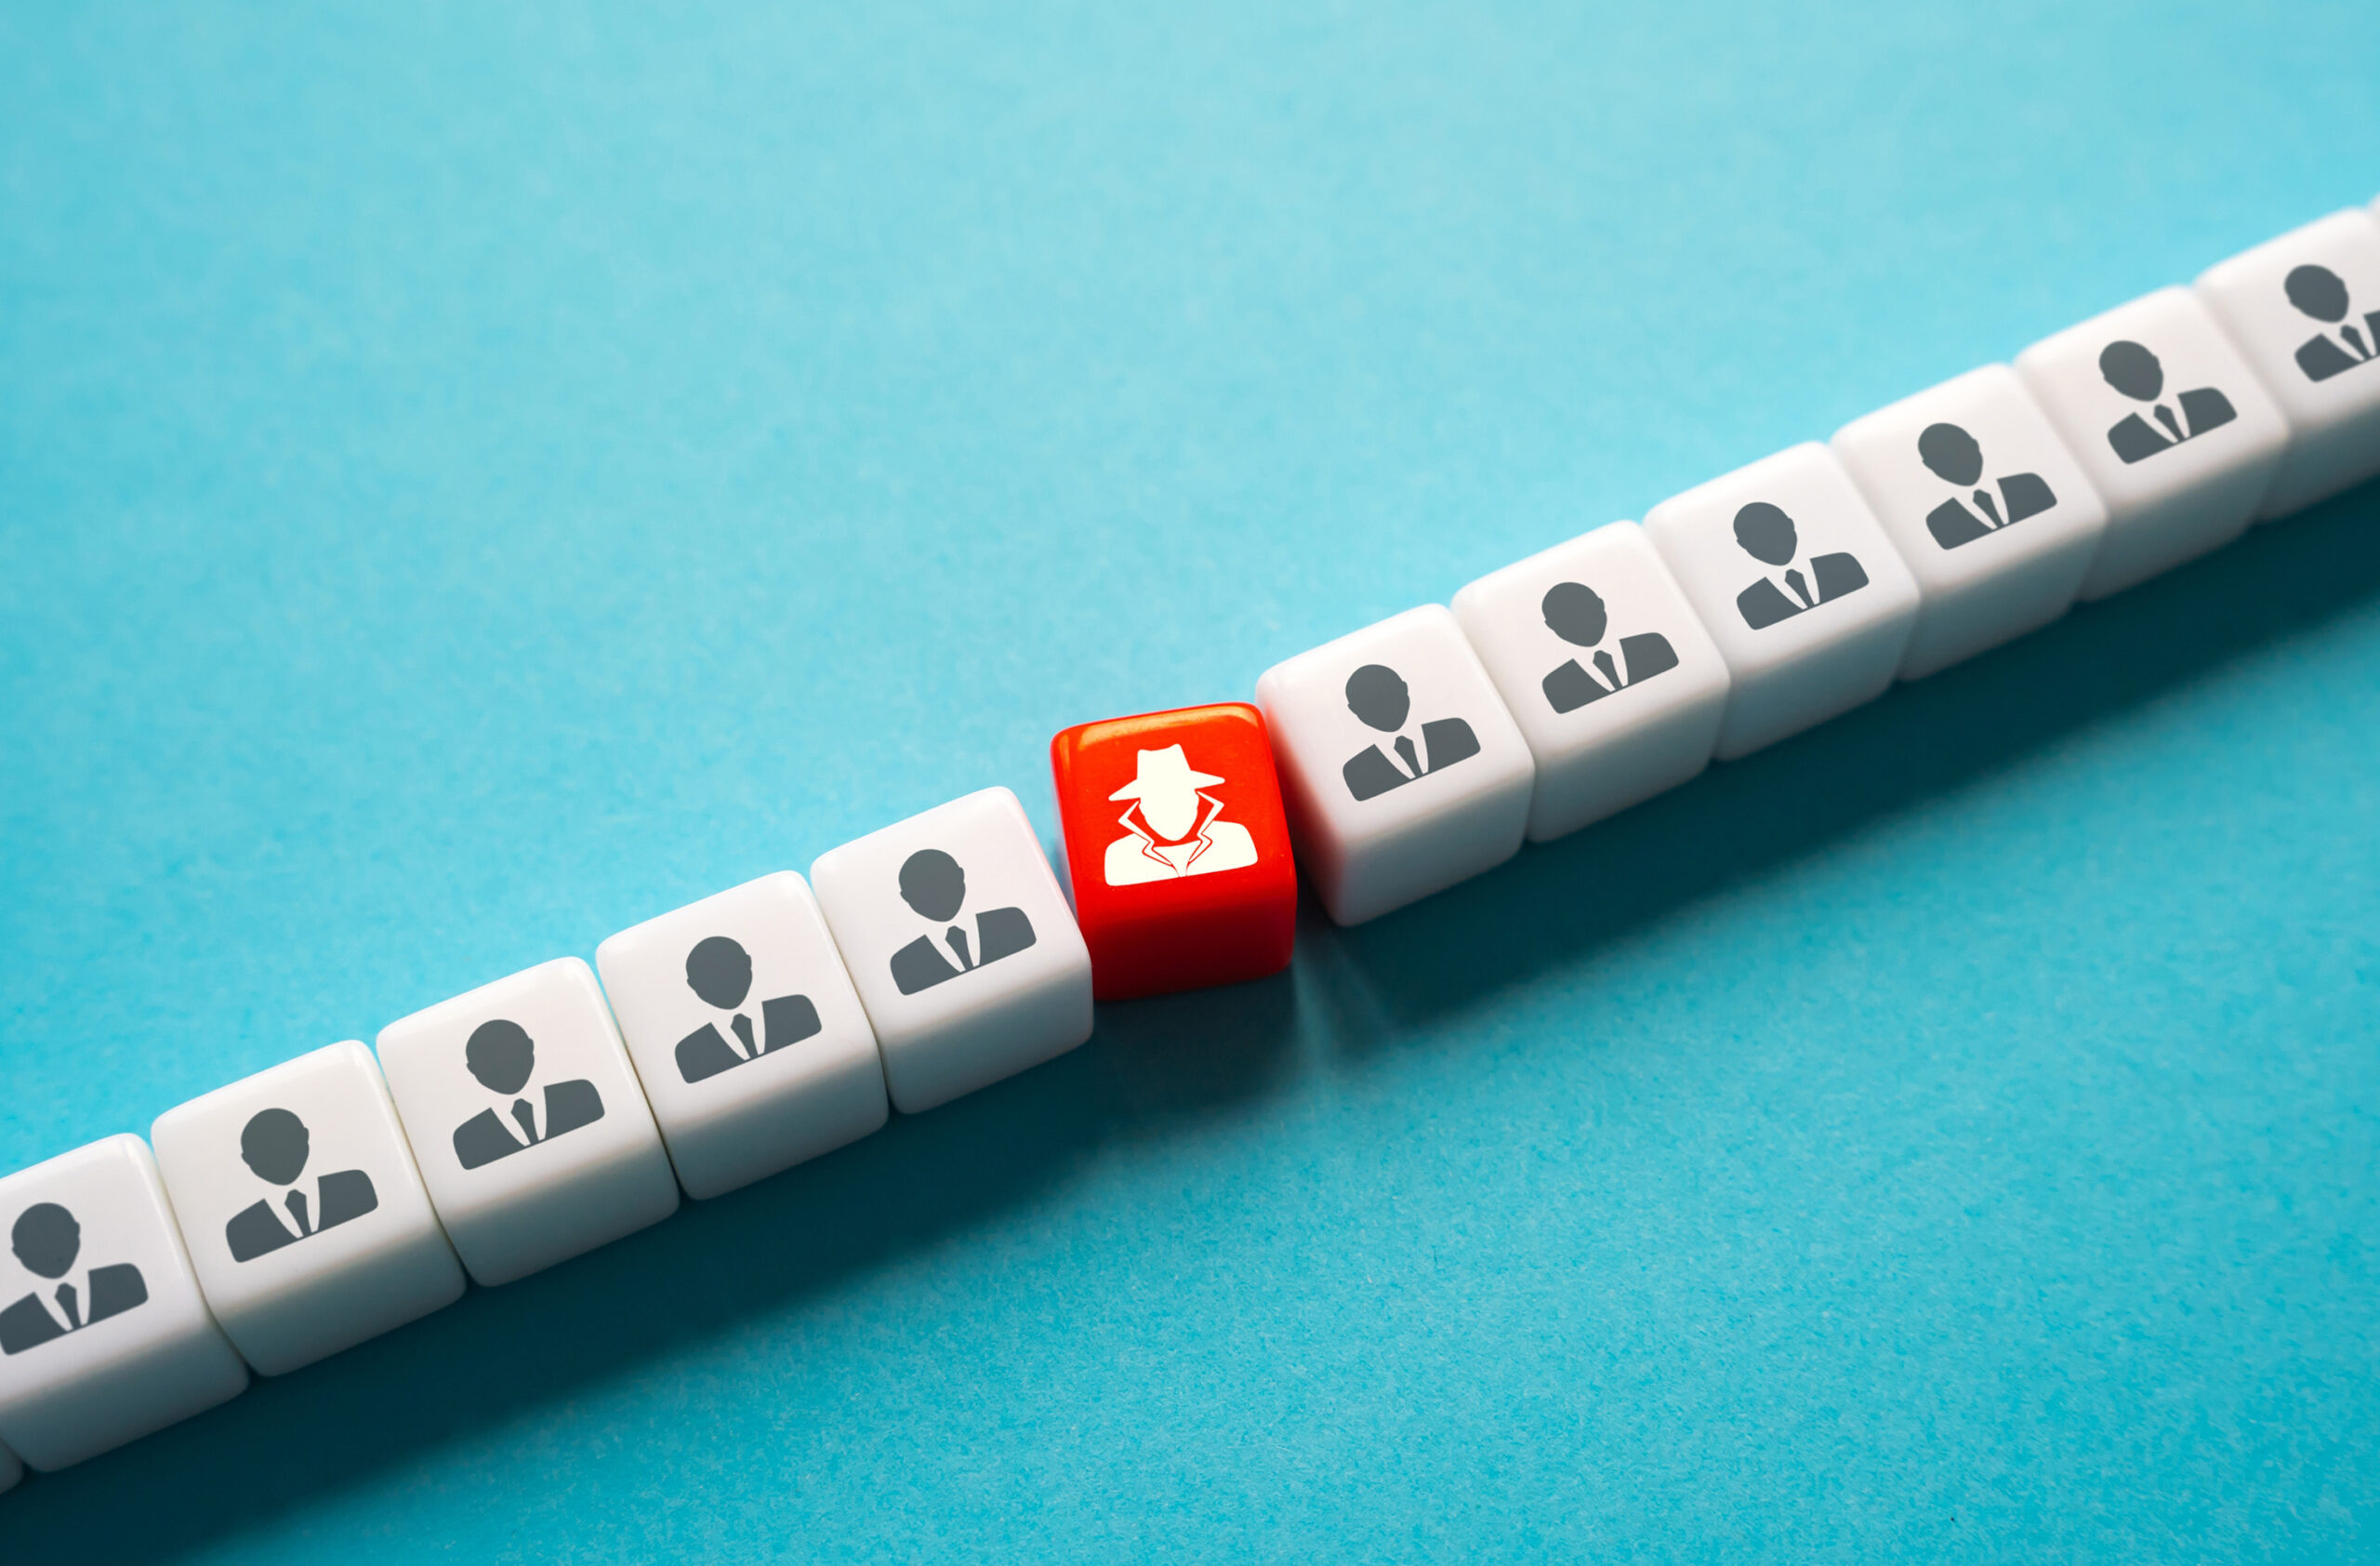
{"x":1177,"y":847}
{"x":744,"y":1024}
{"x":2154,"y":402}
{"x":2304,"y":308}
{"x":1969,"y":480}
{"x":1392,"y":726}
{"x":514,"y":1088}
{"x":1590,"y":641}
{"x":291,"y":1176}
{"x":94,"y":1275}
{"x":1783,"y":559}
{"x":949,"y":912}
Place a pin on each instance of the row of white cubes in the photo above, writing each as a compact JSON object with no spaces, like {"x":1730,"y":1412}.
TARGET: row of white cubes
{"x":1422,"y":750}
{"x":339,"y":1195}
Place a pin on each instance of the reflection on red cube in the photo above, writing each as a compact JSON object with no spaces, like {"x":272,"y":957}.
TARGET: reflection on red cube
{"x":1177,"y":848}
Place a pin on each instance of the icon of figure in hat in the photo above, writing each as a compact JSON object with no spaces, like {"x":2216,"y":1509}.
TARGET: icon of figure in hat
{"x":1170,"y":828}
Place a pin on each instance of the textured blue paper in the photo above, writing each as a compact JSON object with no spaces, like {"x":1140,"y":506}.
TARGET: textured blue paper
{"x":473,"y":477}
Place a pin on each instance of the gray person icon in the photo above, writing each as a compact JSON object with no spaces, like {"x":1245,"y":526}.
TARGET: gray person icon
{"x":2133,"y":370}
{"x":1575,"y":612}
{"x":1954,"y":457}
{"x":1377,"y":693}
{"x":46,"y":1239}
{"x":274,"y":1146}
{"x":936,"y":888}
{"x":1767,"y":535}
{"x":2321,"y":294}
{"x":720,"y":972}
{"x":502,"y":1055}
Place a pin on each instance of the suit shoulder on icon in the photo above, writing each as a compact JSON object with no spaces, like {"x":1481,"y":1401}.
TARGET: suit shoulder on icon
{"x":1178,"y":848}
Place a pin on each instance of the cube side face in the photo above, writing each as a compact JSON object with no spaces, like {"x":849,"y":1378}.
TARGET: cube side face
{"x":105,"y":1333}
{"x":1806,"y":596}
{"x":945,"y":919}
{"x":1995,"y":518}
{"x":303,"y":1211}
{"x":2303,"y":309}
{"x":1607,"y":668}
{"x":687,"y":989}
{"x":526,"y":1120}
{"x":2175,"y":432}
{"x":1381,"y":736}
{"x":1177,"y":848}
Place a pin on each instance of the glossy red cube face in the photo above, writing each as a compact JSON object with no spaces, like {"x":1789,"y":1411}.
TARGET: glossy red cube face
{"x":1177,"y":848}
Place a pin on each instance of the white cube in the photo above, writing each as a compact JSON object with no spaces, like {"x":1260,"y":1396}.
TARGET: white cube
{"x":526,"y":1120}
{"x":961,"y":945}
{"x":1989,"y":512}
{"x":303,"y":1210}
{"x":1401,"y":771}
{"x":752,"y":1045}
{"x":104,"y":1335}
{"x":1614,"y":682}
{"x":2177,"y":435}
{"x":1809,"y":604}
{"x":2304,"y":308}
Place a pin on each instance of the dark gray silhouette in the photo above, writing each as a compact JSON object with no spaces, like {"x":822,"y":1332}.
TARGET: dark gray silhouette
{"x":2134,"y":371}
{"x":46,"y":1239}
{"x":933,"y":885}
{"x":2322,"y":293}
{"x":1575,"y":612}
{"x":275,"y":1146}
{"x":1953,"y":456}
{"x":1376,"y":694}
{"x":1766,"y":535}
{"x":501,"y":1055}
{"x":720,"y":972}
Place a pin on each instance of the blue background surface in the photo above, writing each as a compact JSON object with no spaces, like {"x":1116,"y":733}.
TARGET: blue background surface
{"x":472,"y":478}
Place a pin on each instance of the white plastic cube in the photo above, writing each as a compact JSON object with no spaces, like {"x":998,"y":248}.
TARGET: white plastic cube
{"x":961,"y":945}
{"x":2304,"y":308}
{"x":2179,"y":437}
{"x":526,"y":1120}
{"x":1614,"y":682}
{"x":752,"y":1045}
{"x":1988,"y":509}
{"x":103,"y":1334}
{"x":1401,"y":771}
{"x":1810,"y":604}
{"x":302,"y":1211}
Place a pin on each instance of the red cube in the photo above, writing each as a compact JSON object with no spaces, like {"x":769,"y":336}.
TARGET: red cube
{"x":1177,"y":848}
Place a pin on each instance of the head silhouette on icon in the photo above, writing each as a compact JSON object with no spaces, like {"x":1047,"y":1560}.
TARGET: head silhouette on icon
{"x":1952,"y":453}
{"x":1378,"y":696}
{"x":2318,"y":292}
{"x":720,"y":972}
{"x":46,"y":1239}
{"x":1165,"y":786}
{"x":932,"y":883}
{"x":274,"y":1144}
{"x":1575,"y":612}
{"x":501,"y":1055}
{"x":1766,"y":534}
{"x":2133,"y":370}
